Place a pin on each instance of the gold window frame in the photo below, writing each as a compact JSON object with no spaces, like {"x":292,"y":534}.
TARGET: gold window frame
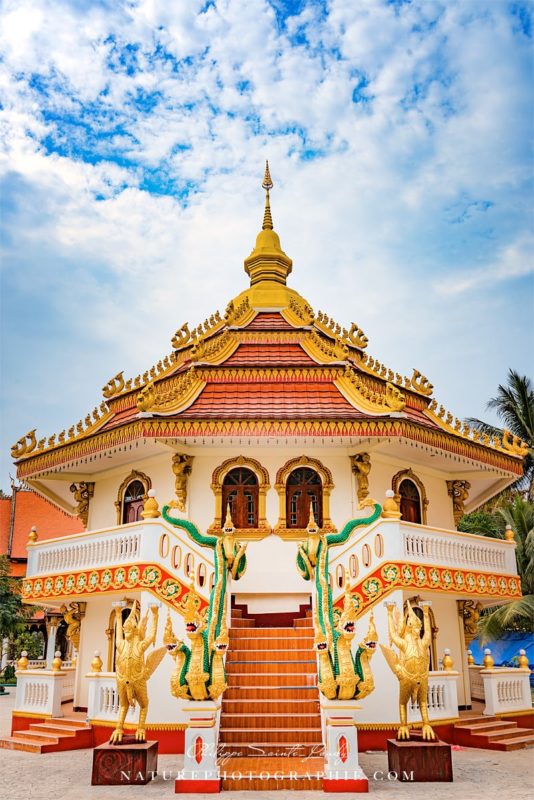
{"x":217,"y":480}
{"x":295,"y":534}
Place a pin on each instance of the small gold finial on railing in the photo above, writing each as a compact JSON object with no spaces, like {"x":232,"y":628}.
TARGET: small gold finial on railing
{"x":267,"y":185}
{"x":390,"y":509}
{"x":151,"y":507}
{"x":522,"y":661}
{"x":470,"y":658}
{"x":57,"y":662}
{"x":96,"y":663}
{"x":447,"y":661}
{"x":32,"y":536}
{"x":488,"y":661}
{"x":509,"y":534}
{"x":22,"y":663}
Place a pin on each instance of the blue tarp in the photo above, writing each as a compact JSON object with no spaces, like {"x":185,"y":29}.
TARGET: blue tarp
{"x":506,"y":650}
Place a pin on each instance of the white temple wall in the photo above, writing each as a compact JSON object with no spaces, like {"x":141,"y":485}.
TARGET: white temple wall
{"x":201,"y":501}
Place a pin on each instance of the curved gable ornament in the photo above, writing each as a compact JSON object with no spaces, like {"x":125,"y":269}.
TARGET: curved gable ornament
{"x":217,"y":480}
{"x":294,"y":534}
{"x":133,"y":476}
{"x":410,"y":475}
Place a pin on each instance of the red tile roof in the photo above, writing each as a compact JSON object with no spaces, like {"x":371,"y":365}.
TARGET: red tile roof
{"x":269,"y":321}
{"x":271,"y":355}
{"x":271,"y":400}
{"x":32,"y":509}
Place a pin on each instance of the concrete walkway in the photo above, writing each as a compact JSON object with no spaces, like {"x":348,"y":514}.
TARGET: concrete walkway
{"x":67,"y":776}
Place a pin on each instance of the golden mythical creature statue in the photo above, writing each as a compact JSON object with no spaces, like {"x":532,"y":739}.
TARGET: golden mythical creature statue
{"x":132,"y":670}
{"x":341,"y":676}
{"x":182,"y":466}
{"x":411,"y":665}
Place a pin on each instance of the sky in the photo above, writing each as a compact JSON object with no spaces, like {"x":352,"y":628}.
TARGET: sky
{"x":133,"y":140}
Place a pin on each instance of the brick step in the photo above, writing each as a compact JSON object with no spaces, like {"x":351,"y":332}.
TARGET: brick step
{"x":260,"y":667}
{"x":70,"y":722}
{"x":267,"y":633}
{"x":482,"y":727}
{"x":251,"y":707}
{"x":268,"y":654}
{"x":276,"y":680}
{"x":272,"y":774}
{"x":63,"y":730}
{"x":475,"y":718}
{"x":272,"y":643}
{"x":293,"y":693}
{"x":241,"y":623}
{"x":262,"y":748}
{"x":304,"y":622}
{"x":271,"y":721}
{"x":270,"y":735}
{"x":50,"y":736}
{"x":505,"y":733}
{"x":514,"y":742}
{"x":26,"y":745}
{"x":43,"y":736}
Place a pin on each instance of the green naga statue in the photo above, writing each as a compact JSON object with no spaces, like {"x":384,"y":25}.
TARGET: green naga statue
{"x":199,"y":672}
{"x":341,"y":676}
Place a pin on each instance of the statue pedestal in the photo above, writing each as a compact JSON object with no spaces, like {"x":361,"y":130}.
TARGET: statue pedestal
{"x":200,"y":774}
{"x":129,"y":763}
{"x":417,"y":760}
{"x":342,"y":771}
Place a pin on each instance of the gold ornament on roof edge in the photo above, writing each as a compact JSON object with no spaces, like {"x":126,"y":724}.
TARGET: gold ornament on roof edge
{"x":114,"y":386}
{"x":420,"y":383}
{"x":411,"y":665}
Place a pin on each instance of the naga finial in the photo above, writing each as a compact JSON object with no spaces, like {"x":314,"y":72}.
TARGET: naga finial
{"x":267,"y":185}
{"x":228,"y":527}
{"x":312,"y":526}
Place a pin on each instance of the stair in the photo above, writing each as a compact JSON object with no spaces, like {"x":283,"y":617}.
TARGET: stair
{"x":491,"y":733}
{"x":50,"y":737}
{"x":270,"y":736}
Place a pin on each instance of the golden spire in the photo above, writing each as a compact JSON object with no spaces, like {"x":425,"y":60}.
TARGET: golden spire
{"x":228,"y":522}
{"x":268,"y":264}
{"x":267,"y":184}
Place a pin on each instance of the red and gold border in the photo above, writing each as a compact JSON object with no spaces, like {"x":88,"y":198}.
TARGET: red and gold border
{"x":401,"y":575}
{"x":145,"y":576}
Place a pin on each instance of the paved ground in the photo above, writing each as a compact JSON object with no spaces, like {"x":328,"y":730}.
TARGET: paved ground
{"x":66,"y":776}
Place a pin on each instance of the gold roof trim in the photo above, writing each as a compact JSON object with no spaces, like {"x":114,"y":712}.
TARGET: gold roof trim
{"x":173,"y":396}
{"x":362,"y":397}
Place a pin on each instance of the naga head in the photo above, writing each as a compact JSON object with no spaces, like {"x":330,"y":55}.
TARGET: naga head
{"x":314,"y":537}
{"x":220,"y":645}
{"x":320,"y":643}
{"x":228,"y":540}
{"x":371,"y":637}
{"x":131,"y":627}
{"x":195,"y":622}
{"x":347,"y":621}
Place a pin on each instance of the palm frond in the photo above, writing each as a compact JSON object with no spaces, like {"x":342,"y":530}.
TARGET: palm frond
{"x":518,"y":614}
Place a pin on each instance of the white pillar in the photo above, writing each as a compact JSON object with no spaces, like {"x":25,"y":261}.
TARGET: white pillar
{"x":200,"y":772}
{"x":342,"y":771}
{"x":51,"y":627}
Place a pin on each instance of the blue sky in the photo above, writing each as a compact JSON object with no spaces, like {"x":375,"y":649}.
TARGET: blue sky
{"x":133,"y":140}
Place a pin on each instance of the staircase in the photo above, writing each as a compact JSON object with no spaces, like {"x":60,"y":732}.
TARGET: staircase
{"x":491,"y":733}
{"x":270,"y":735}
{"x":52,"y":736}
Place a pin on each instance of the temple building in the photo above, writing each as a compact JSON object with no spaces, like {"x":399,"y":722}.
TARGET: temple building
{"x":264,"y":411}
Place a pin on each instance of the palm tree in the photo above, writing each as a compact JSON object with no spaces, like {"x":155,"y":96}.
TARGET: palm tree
{"x":514,"y":405}
{"x":517,"y":614}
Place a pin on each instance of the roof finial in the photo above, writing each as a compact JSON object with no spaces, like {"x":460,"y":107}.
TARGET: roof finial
{"x":267,"y":184}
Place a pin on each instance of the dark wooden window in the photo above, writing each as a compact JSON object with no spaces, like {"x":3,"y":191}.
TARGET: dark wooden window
{"x":410,"y":501}
{"x":240,"y":490}
{"x":133,"y":502}
{"x":303,"y":487}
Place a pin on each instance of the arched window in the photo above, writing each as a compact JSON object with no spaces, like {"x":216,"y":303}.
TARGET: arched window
{"x":131,"y":497}
{"x":133,"y":502}
{"x":240,"y":490}
{"x":303,"y":487}
{"x":410,"y":501}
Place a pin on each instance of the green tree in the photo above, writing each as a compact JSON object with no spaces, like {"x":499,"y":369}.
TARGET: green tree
{"x":12,"y":613}
{"x":514,"y":406}
{"x":517,"y":615}
{"x":32,"y":642}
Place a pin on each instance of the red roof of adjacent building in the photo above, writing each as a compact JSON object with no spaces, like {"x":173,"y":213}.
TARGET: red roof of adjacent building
{"x":20,"y":512}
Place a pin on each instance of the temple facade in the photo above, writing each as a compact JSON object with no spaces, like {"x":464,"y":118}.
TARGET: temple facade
{"x":269,"y":414}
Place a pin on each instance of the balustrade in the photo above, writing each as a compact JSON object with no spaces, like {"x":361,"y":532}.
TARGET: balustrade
{"x":42,"y":691}
{"x":442,"y":697}
{"x":103,"y":699}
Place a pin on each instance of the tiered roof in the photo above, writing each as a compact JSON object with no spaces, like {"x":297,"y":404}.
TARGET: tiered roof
{"x":269,"y":366}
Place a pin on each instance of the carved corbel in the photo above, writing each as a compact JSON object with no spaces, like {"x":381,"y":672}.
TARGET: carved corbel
{"x":361,"y":467}
{"x":83,"y":492}
{"x":458,"y":491}
{"x":469,"y":611}
{"x":73,"y":615}
{"x":182,"y":466}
